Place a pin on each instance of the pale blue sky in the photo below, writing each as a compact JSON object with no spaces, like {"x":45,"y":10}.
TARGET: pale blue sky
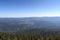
{"x":29,"y":8}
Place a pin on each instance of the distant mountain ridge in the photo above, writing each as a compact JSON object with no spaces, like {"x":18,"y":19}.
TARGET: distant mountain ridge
{"x":17,"y":24}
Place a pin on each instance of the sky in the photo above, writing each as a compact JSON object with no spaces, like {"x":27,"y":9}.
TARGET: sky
{"x":29,"y":8}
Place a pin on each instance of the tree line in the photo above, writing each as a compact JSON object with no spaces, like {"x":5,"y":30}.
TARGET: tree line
{"x":15,"y":36}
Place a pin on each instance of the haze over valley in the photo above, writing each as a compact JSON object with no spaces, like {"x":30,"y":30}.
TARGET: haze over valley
{"x":17,"y":24}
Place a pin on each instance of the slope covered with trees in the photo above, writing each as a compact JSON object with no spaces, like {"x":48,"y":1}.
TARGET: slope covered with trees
{"x":45,"y":28}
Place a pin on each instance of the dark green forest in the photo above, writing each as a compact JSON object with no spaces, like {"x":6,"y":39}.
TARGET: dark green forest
{"x":16,"y":36}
